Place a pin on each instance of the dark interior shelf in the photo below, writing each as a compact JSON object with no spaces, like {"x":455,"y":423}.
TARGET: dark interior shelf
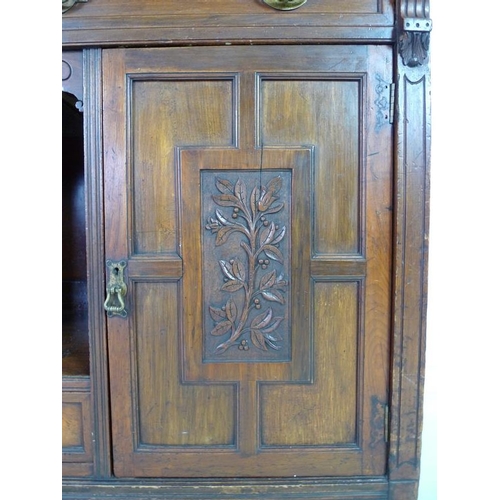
{"x":75,"y":334}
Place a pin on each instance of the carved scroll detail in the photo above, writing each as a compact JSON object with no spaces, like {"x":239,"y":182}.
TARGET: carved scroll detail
{"x":251,"y":274}
{"x":415,"y":32}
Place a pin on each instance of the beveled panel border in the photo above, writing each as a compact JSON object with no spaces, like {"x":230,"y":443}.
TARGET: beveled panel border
{"x":272,"y":158}
{"x":78,"y":393}
{"x":131,"y":78}
{"x":357,"y":444}
{"x":361,"y":79}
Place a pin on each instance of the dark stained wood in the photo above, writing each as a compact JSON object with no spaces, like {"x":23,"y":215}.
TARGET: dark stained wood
{"x":170,"y":22}
{"x":233,"y":489}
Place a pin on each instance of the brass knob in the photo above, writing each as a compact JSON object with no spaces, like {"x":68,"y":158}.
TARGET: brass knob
{"x":285,"y":4}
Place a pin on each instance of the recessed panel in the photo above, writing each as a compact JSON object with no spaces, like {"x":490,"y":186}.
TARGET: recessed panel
{"x":246,"y":264}
{"x":72,"y":425}
{"x":166,"y":114}
{"x":324,"y":114}
{"x":323,"y":412}
{"x":168,"y":412}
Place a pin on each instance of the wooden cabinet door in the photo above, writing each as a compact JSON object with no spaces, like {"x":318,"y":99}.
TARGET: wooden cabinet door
{"x":248,"y":195}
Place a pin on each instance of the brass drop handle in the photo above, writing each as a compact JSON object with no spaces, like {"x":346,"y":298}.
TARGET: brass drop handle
{"x":285,"y":4}
{"x":116,"y":289}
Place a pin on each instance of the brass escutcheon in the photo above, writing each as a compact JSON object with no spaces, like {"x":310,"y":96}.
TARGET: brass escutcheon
{"x":116,"y":290}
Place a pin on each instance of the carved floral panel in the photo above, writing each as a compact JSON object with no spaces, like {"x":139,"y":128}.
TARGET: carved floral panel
{"x":246,"y":265}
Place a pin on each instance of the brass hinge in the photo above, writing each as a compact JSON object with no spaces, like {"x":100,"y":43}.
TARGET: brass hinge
{"x":392,"y":99}
{"x":384,"y":102}
{"x":386,"y":423}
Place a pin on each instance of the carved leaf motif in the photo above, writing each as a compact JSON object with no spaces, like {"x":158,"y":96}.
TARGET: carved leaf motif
{"x":271,"y":344}
{"x":223,"y":234}
{"x":273,"y":253}
{"x":217,"y":314}
{"x":259,"y":236}
{"x":240,"y":191}
{"x":226,"y":200}
{"x":254,"y":201}
{"x":222,"y":328}
{"x":274,"y":296}
{"x":232,"y":286}
{"x":258,"y":340}
{"x":268,"y":280}
{"x":226,"y":269}
{"x":274,"y":185}
{"x":222,"y":219}
{"x":262,"y":320}
{"x":231,"y":310}
{"x":239,"y":270}
{"x":279,"y":236}
{"x":267,"y":234}
{"x":273,"y":327}
{"x":266,"y":201}
{"x":224,"y":186}
{"x":413,"y":47}
{"x":276,"y":208}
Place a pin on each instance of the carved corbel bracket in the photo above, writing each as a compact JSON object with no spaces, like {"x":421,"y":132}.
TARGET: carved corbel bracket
{"x":415,"y":28}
